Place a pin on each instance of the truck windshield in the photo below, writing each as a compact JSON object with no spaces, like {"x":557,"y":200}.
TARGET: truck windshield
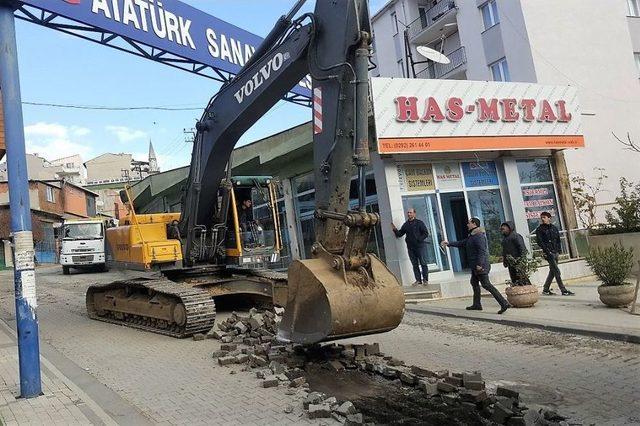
{"x":82,"y":231}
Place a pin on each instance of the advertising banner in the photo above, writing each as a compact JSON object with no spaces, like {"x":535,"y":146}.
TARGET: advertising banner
{"x":483,"y":173}
{"x":169,"y":25}
{"x":419,"y":115}
{"x":449,"y":176}
{"x":416,"y":177}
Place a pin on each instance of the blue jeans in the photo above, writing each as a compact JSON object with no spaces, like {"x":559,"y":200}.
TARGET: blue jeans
{"x":418,"y":257}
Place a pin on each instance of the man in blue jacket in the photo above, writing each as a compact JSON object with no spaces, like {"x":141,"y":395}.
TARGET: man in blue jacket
{"x":478,"y":257}
{"x":416,"y":234}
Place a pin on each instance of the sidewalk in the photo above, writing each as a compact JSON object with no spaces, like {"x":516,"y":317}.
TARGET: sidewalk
{"x":63,"y":401}
{"x":582,"y":314}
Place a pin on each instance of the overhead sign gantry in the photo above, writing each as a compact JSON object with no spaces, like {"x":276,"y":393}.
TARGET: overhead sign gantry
{"x":166,"y":31}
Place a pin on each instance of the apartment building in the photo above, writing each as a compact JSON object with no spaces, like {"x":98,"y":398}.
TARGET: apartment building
{"x":591,"y":45}
{"x":110,"y":168}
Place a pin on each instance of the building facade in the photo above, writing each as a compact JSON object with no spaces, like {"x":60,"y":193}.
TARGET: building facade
{"x":52,"y":201}
{"x":530,"y":41}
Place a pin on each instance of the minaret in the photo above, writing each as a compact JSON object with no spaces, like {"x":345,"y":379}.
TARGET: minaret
{"x":153,"y":161}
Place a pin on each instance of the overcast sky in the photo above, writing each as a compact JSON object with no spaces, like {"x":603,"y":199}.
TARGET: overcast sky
{"x":62,"y":69}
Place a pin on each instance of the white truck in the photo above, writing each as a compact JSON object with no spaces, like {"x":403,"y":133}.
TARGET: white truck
{"x":83,"y":245}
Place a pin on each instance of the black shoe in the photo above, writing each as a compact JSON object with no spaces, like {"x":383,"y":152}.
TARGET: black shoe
{"x":548,"y":293}
{"x":504,"y":309}
{"x":474,"y":308}
{"x":568,"y":293}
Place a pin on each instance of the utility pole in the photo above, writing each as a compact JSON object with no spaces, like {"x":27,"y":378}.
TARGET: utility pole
{"x":24,"y":267}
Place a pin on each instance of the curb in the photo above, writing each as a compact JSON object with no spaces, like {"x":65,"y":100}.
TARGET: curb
{"x":555,"y":327}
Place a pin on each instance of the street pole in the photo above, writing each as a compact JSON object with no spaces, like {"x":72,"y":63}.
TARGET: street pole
{"x":24,"y":267}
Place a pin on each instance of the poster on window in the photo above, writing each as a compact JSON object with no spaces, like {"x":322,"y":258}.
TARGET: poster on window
{"x":448,"y":176}
{"x":539,"y":199}
{"x":416,"y":177}
{"x":480,"y":173}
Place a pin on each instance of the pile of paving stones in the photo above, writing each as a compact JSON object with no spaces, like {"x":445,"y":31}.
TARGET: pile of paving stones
{"x":249,"y":342}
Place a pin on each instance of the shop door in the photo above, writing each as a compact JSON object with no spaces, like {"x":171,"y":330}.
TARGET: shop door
{"x":454,"y":209}
{"x":426,"y":207}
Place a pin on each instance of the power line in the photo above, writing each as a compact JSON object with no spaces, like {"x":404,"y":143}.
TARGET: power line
{"x":107,"y":108}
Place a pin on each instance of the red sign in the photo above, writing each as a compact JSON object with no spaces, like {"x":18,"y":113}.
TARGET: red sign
{"x":410,"y":108}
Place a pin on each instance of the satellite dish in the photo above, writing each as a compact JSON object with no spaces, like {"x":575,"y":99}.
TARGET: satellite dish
{"x":433,"y":55}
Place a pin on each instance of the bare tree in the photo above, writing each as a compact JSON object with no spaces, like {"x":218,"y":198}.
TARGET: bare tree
{"x":585,"y":196}
{"x":629,"y":143}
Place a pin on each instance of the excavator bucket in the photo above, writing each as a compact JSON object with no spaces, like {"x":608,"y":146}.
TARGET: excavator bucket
{"x":327,"y":302}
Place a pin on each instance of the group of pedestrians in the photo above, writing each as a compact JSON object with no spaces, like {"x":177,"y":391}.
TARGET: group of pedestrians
{"x":477,"y":251}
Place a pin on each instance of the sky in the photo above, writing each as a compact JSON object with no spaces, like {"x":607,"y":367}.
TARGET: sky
{"x":62,"y":69}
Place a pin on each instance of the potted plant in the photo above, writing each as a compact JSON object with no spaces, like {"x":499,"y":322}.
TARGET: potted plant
{"x":523,"y":294}
{"x":612,"y":265}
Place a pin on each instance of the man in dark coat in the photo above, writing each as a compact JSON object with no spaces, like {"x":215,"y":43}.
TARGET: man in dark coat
{"x":416,"y":234}
{"x":513,"y":245}
{"x":478,"y":258}
{"x":548,"y":238}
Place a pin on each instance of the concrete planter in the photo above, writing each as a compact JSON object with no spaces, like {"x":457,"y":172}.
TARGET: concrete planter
{"x":628,"y":240}
{"x":524,"y":296}
{"x":616,"y":296}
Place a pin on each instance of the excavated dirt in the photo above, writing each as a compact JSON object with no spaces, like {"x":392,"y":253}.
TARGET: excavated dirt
{"x":385,"y":402}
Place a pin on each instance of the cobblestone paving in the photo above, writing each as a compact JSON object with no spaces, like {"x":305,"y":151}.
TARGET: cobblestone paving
{"x":176,"y":382}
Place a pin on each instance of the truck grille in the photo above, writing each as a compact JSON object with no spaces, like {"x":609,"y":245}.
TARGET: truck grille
{"x":86,"y":258}
{"x":82,"y":250}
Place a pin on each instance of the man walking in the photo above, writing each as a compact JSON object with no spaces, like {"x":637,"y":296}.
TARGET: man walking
{"x":478,"y":257}
{"x":416,"y":233}
{"x":513,"y":245}
{"x":548,"y":238}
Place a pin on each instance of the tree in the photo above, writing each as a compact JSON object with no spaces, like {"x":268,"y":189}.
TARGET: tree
{"x":585,"y":196}
{"x":629,"y":143}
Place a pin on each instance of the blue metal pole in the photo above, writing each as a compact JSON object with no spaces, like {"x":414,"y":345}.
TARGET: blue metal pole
{"x":24,"y":267}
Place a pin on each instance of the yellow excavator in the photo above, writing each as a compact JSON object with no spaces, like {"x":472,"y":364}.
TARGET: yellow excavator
{"x":342,"y":290}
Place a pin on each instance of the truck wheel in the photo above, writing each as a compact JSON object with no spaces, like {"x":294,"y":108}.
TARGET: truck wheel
{"x":65,"y":270}
{"x":104,"y":268}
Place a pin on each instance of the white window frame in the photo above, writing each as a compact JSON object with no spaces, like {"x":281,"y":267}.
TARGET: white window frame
{"x":51,"y":198}
{"x":494,"y":17}
{"x":394,"y":23}
{"x":634,"y":7}
{"x":502,"y":66}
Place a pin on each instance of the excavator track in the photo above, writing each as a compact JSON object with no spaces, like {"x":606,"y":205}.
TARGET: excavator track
{"x":156,"y":305}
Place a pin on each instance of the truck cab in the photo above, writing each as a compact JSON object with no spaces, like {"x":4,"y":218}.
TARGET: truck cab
{"x":82,"y":245}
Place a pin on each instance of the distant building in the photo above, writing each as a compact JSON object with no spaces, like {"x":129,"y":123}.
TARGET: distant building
{"x":51,"y":201}
{"x":108,"y":173}
{"x":69,"y":169}
{"x":120,"y":168}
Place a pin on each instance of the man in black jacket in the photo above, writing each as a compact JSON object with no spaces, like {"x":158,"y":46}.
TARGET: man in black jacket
{"x":513,"y":245}
{"x":478,"y":257}
{"x":416,"y":234}
{"x":548,"y":238}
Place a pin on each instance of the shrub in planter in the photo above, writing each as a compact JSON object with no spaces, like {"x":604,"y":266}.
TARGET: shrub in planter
{"x":612,"y":265}
{"x":523,"y":294}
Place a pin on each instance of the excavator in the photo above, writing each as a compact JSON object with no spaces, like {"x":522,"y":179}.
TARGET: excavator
{"x":341,"y":291}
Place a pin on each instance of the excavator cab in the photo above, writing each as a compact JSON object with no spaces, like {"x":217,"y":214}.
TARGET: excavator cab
{"x":253,"y":226}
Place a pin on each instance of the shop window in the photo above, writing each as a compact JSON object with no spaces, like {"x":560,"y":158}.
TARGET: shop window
{"x":487,"y":206}
{"x":538,"y":191}
{"x":534,"y":171}
{"x":426,"y":207}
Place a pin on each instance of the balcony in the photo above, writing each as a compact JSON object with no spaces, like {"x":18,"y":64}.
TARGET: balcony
{"x":431,"y":22}
{"x":458,"y":65}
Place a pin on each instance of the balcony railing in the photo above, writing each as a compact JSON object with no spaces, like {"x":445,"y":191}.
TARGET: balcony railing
{"x":430,"y":16}
{"x":458,"y":58}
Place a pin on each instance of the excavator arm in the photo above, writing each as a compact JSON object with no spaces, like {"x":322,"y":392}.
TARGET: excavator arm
{"x":342,"y":291}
